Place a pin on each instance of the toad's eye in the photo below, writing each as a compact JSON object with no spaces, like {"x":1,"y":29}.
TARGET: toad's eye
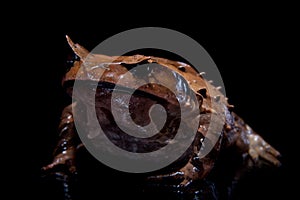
{"x":70,"y":61}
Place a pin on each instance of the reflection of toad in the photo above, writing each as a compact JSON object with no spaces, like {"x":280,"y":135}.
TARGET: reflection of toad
{"x":188,"y":174}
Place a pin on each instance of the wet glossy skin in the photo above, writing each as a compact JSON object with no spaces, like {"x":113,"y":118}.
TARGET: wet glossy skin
{"x":189,"y":167}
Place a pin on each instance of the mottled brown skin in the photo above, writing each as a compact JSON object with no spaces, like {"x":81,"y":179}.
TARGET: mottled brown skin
{"x":188,"y":168}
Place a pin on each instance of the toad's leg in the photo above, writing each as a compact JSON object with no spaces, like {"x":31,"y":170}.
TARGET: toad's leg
{"x":257,"y":148}
{"x":64,"y":153}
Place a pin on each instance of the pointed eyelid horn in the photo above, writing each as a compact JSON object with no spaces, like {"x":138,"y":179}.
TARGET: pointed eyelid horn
{"x":78,"y":49}
{"x":91,"y":59}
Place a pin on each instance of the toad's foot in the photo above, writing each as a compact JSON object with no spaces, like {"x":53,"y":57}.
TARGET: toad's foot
{"x":259,"y":148}
{"x":63,"y":163}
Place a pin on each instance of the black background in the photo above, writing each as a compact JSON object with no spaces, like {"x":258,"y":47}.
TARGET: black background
{"x":252,"y":51}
